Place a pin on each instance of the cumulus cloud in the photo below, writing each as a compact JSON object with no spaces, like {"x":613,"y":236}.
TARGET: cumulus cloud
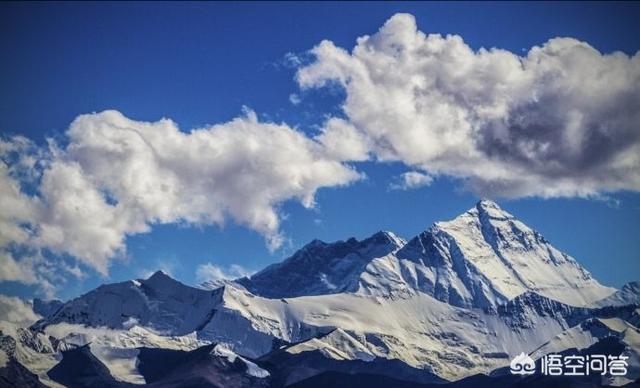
{"x":211,"y":272}
{"x":16,"y":209}
{"x":562,"y":120}
{"x":343,"y":141}
{"x":16,"y":311}
{"x":117,"y":177}
{"x":13,"y":270}
{"x":411,"y":180}
{"x":18,"y":216}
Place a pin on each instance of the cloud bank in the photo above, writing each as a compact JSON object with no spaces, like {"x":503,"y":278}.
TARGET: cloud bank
{"x":117,"y":177}
{"x":411,"y":180}
{"x":563,"y":120}
{"x":16,"y":311}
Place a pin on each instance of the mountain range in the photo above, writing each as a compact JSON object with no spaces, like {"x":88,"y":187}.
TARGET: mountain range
{"x":451,"y":306}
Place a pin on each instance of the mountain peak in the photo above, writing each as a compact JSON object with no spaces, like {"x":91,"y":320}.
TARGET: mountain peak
{"x":490,"y":209}
{"x":486,"y":256}
{"x":384,"y":236}
{"x":485,"y":202}
{"x":159,"y":277}
{"x":160,"y":302}
{"x":628,"y":294}
{"x":159,"y":274}
{"x":632,"y":287}
{"x":320,"y":268}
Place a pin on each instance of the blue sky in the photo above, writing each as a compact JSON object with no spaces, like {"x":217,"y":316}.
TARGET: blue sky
{"x":200,"y":64}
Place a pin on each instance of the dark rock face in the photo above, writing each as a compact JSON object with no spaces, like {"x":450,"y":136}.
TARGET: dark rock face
{"x":13,"y":374}
{"x":80,"y":368}
{"x":321,"y":268}
{"x":46,"y":308}
{"x":160,"y":368}
{"x":197,"y":368}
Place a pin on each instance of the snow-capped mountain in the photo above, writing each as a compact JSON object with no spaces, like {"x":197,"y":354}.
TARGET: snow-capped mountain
{"x":159,"y":302}
{"x":26,"y":354}
{"x":482,"y":258}
{"x":421,"y":331}
{"x":486,"y":256}
{"x":590,"y":332}
{"x":321,"y":268}
{"x":628,"y":294}
{"x":458,"y":300}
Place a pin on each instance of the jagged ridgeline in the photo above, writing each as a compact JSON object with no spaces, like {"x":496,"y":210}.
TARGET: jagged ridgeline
{"x":454,"y":304}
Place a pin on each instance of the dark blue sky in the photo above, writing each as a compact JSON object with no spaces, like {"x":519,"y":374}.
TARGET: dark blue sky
{"x":200,"y":63}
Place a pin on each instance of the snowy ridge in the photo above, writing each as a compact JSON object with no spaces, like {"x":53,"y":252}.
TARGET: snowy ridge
{"x":423,"y":333}
{"x":252,"y":369}
{"x":461,"y":298}
{"x":482,"y":258}
{"x":159,"y":302}
{"x":33,"y":350}
{"x":589,"y":333}
{"x":321,"y":268}
{"x":628,"y":294}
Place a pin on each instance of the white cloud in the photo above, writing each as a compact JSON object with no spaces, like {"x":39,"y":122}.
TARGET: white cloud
{"x":560,"y":121}
{"x":208,"y":271}
{"x":32,"y":270}
{"x":294,"y":99}
{"x":117,"y":177}
{"x":13,"y":270}
{"x":16,"y":311}
{"x":16,"y":209}
{"x":343,"y":141}
{"x":411,"y":180}
{"x":292,"y":60}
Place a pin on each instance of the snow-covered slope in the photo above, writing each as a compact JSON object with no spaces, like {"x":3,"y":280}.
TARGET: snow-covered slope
{"x":30,"y":349}
{"x":628,"y":294}
{"x":589,"y":332}
{"x":207,"y":366}
{"x":117,"y":349}
{"x":419,"y":330}
{"x":159,"y":302}
{"x":459,"y":299}
{"x":482,"y":258}
{"x":321,"y":268}
{"x":592,"y":331}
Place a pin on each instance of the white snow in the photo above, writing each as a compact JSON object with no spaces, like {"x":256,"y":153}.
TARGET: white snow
{"x":338,"y":345}
{"x":590,"y":332}
{"x":252,"y":369}
{"x":419,"y":330}
{"x":419,"y":302}
{"x":115,"y":348}
{"x":33,"y":351}
{"x":481,"y":258}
